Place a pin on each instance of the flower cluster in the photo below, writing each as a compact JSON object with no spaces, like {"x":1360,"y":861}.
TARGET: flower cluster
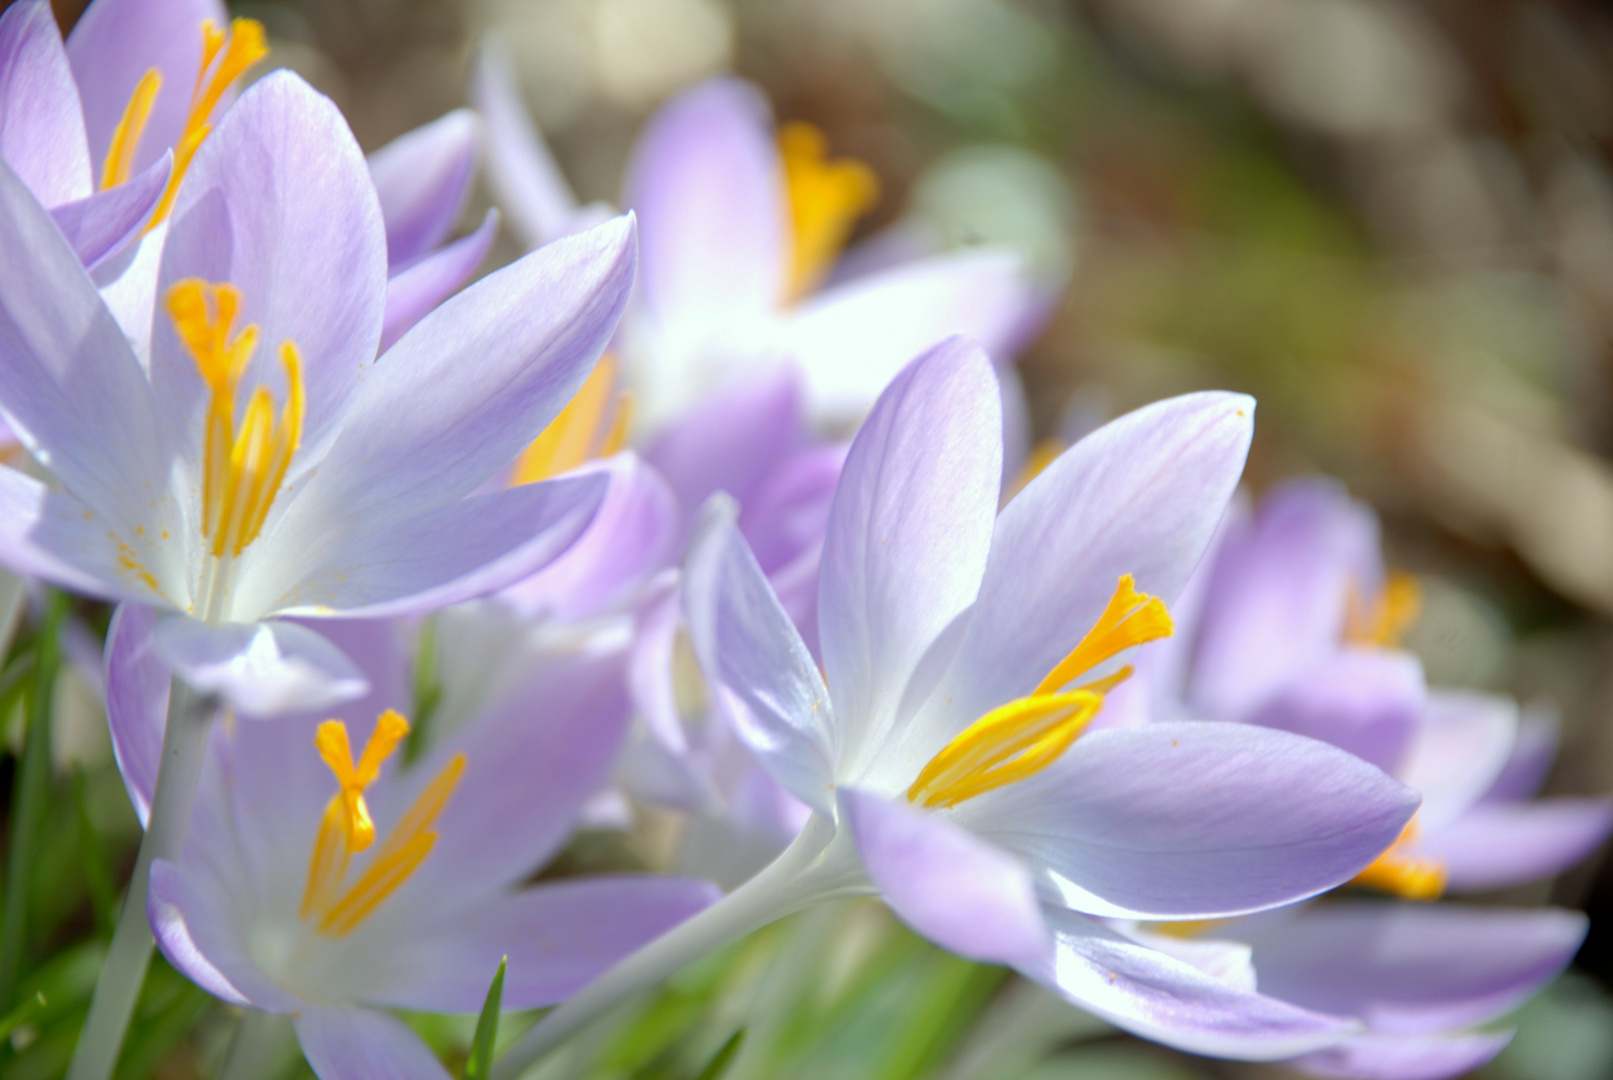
{"x":414,"y":578}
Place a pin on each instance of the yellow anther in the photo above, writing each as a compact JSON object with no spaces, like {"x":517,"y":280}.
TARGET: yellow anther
{"x":126,"y":136}
{"x":1131,"y":618}
{"x":242,"y":469}
{"x":1025,"y":736}
{"x":226,"y":55}
{"x":593,"y":424}
{"x":1403,"y":873}
{"x":1385,"y":619}
{"x":1009,"y":743}
{"x":826,"y":199}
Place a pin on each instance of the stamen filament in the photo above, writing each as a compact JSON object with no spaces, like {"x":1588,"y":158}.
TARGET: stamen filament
{"x":580,"y":432}
{"x":826,"y":199}
{"x":1386,"y":619}
{"x":1009,"y":743}
{"x":1403,"y":873}
{"x":126,"y":136}
{"x":1131,"y":618}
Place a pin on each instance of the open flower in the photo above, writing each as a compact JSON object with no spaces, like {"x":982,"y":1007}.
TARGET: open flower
{"x":741,"y":225}
{"x":266,"y":462}
{"x":324,"y":879}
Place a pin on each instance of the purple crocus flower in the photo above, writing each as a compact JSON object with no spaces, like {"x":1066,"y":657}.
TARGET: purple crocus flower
{"x":360,"y":496}
{"x":941,"y":749}
{"x":740,"y":225}
{"x":312,"y":887}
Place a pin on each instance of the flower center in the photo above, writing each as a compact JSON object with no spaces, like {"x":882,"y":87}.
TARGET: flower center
{"x":243,"y":465}
{"x":1402,"y":872}
{"x":226,"y":55}
{"x":347,"y":829}
{"x":1023,"y":737}
{"x":1384,"y":619}
{"x":592,"y":425}
{"x":826,"y":199}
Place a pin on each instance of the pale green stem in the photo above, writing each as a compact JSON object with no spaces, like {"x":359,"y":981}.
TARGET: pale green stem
{"x":260,"y":1044}
{"x":184,"y":746}
{"x":819,"y":865}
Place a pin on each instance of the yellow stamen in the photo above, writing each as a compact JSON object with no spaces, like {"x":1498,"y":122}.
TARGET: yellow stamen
{"x":1023,"y":737}
{"x":586,"y":428}
{"x":1385,"y":620}
{"x":826,"y":199}
{"x":1132,"y":618}
{"x":126,"y":136}
{"x":1401,"y":872}
{"x":242,"y":469}
{"x":235,"y":50}
{"x":331,"y":741}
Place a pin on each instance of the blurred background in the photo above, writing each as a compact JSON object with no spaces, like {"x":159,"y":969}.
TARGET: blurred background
{"x":1391,"y":221}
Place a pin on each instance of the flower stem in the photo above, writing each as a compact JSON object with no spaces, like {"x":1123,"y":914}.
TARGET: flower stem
{"x":184,"y":747}
{"x":812,"y":869}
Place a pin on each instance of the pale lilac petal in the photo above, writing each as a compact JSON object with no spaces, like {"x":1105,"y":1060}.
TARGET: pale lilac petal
{"x":359,"y":1044}
{"x":278,"y":202}
{"x":1165,"y":999}
{"x":631,"y":537}
{"x":1194,"y":819}
{"x":421,"y":179}
{"x":745,"y":643}
{"x":411,"y":293}
{"x":464,"y":392}
{"x":1279,"y":594}
{"x":1379,"y":1056}
{"x":851,"y":340}
{"x":118,"y":41}
{"x":1141,"y":496}
{"x":732,"y":438}
{"x":103,"y":224}
{"x":401,"y":565}
{"x":1494,"y":845}
{"x":70,"y":387}
{"x":708,"y":187}
{"x":558,"y":936}
{"x":137,"y":683}
{"x":1415,"y":968}
{"x":1366,"y":701}
{"x":263,"y":669}
{"x":963,"y":893}
{"x":1532,"y":754}
{"x":908,"y":536}
{"x":41,"y":124}
{"x":527,"y":183}
{"x":785,"y":520}
{"x":1460,"y":748}
{"x":197,"y":932}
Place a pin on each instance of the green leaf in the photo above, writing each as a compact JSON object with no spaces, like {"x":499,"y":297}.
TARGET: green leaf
{"x":724,"y":1057}
{"x":480,"y":1062}
{"x":427,"y":690}
{"x":22,"y":1014}
{"x":97,"y":874}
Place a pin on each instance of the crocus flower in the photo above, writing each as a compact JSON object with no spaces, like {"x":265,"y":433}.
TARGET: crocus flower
{"x":324,"y":879}
{"x":740,"y":225}
{"x":226,"y":487}
{"x":941,"y":750}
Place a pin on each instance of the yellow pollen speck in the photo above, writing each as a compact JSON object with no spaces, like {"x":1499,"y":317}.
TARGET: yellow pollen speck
{"x":1023,"y":737}
{"x":1384,"y":620}
{"x":826,"y":198}
{"x":593,"y":424}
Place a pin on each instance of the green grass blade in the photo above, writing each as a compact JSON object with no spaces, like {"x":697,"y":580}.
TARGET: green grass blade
{"x":724,"y":1057}
{"x":480,"y":1062}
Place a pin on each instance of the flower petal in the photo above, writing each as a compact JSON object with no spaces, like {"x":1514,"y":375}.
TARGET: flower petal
{"x":359,"y":1044}
{"x":1194,"y":819}
{"x":278,"y":202}
{"x":197,"y":932}
{"x":1415,"y":968}
{"x":849,"y":340}
{"x":908,"y":536}
{"x":558,"y":936}
{"x":262,"y":669}
{"x":1494,"y":845}
{"x":1532,"y":754}
{"x":1165,"y":999}
{"x":747,"y":646}
{"x":101,"y":225}
{"x":963,"y":893}
{"x":1378,"y":1056}
{"x":118,"y":41}
{"x":137,"y":683}
{"x":732,"y":438}
{"x":1459,"y":750}
{"x":708,"y":187}
{"x":529,"y":186}
{"x":411,"y":293}
{"x":421,"y":179}
{"x":41,"y":124}
{"x":1367,"y":701}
